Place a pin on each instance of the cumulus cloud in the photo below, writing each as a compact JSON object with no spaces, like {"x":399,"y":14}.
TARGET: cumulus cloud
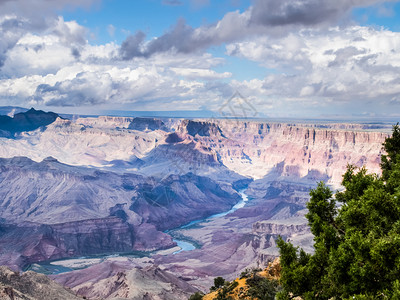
{"x":305,"y":12}
{"x":43,"y":71}
{"x":345,"y":65}
{"x":18,"y":17}
{"x":200,"y":73}
{"x":145,"y":86}
{"x":49,"y":61}
{"x":265,"y":17}
{"x":183,"y":38}
{"x":45,"y":53}
{"x":320,"y":68}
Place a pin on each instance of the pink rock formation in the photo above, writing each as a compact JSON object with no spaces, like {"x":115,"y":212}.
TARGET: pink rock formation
{"x":255,"y":149}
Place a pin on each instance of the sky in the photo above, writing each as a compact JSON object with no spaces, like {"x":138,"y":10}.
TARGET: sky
{"x":279,"y":59}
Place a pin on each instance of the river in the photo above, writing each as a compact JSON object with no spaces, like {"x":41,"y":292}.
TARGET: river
{"x":71,"y":264}
{"x":187,"y":245}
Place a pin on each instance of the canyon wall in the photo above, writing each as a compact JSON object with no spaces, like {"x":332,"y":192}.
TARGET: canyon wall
{"x":173,"y":146}
{"x":51,"y":210}
{"x":112,"y":184}
{"x":256,"y":149}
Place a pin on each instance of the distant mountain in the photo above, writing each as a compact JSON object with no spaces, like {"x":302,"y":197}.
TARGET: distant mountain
{"x":142,"y":124}
{"x":188,"y":114}
{"x":11,"y":110}
{"x":26,"y":121}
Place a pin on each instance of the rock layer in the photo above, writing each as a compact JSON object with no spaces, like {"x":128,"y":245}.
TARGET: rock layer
{"x":148,"y":175}
{"x":30,"y":285}
{"x":125,"y":280}
{"x":51,"y":210}
{"x":255,"y":149}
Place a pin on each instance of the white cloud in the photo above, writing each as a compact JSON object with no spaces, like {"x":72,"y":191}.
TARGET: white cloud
{"x":19,"y":17}
{"x":344,"y":64}
{"x":265,"y":17}
{"x":200,"y":73}
{"x":320,"y":68}
{"x":42,"y":70}
{"x":48,"y":61}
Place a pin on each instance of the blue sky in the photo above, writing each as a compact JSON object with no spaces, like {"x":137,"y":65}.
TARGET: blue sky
{"x":289,"y":58}
{"x":384,"y":15}
{"x":155,"y":18}
{"x":151,"y":16}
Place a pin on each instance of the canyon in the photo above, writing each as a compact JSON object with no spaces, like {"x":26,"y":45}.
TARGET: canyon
{"x":116,"y":185}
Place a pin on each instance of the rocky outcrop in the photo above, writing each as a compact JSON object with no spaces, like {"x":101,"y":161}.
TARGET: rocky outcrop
{"x":202,"y":195}
{"x":30,"y":285}
{"x":106,"y":122}
{"x":81,"y":211}
{"x":50,"y":192}
{"x":28,"y":243}
{"x":125,"y":280}
{"x":267,"y":227}
{"x":256,"y":149}
{"x":200,"y":128}
{"x":142,"y":124}
{"x":249,"y":148}
{"x":26,"y":121}
{"x":85,"y":145}
{"x":184,"y":157}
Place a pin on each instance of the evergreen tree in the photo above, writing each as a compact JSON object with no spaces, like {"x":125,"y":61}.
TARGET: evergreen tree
{"x":356,"y":237}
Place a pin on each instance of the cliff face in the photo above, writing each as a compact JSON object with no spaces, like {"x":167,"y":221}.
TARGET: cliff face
{"x":51,"y":210}
{"x":27,"y":243}
{"x":50,"y":192}
{"x":147,"y":176}
{"x":256,"y":149}
{"x":143,"y":124}
{"x":92,"y":142}
{"x":105,"y":122}
{"x":200,"y":128}
{"x":125,"y":280}
{"x":30,"y":285}
{"x":253,"y":149}
{"x":279,"y":229}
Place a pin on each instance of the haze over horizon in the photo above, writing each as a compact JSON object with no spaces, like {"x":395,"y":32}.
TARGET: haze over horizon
{"x":288,"y":59}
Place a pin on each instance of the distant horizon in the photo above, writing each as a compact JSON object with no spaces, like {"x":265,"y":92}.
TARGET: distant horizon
{"x":204,"y":115}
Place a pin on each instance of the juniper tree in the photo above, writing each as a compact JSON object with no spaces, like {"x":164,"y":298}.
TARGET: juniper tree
{"x":357,"y":243}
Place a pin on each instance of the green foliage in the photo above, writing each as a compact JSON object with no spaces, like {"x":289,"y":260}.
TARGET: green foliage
{"x":196,"y":296}
{"x":245,"y":273}
{"x":261,"y":288}
{"x":249,"y":272}
{"x":225,"y":290}
{"x":218,"y":282}
{"x":356,"y":237}
{"x":392,"y":148}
